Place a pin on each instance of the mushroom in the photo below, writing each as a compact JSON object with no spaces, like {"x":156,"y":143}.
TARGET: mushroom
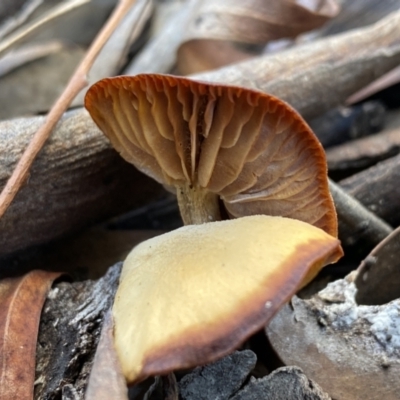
{"x":195,"y":294}
{"x":212,"y":141}
{"x":192,"y":295}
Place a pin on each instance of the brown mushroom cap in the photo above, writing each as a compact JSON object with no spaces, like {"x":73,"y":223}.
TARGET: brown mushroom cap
{"x":193,"y":295}
{"x":250,"y":148}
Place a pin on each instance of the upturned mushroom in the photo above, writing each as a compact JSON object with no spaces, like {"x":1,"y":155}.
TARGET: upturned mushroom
{"x":212,"y":142}
{"x":193,"y":295}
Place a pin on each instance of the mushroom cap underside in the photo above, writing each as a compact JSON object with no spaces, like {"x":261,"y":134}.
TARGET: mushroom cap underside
{"x":250,"y":148}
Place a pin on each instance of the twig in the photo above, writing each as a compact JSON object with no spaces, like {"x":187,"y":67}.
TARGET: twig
{"x":363,"y":223}
{"x":77,"y":82}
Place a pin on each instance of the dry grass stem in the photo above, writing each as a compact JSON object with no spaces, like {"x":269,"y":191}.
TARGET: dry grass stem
{"x":76,"y":83}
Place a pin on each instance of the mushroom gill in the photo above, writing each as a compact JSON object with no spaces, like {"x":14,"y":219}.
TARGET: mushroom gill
{"x":211,"y":141}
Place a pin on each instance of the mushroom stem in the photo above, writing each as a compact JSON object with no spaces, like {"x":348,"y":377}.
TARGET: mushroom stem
{"x":197,"y":205}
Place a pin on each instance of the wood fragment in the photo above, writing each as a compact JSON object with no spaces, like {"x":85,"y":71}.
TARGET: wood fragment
{"x":378,"y":276}
{"x":378,"y":189}
{"x":21,"y":302}
{"x":344,"y":124}
{"x":355,"y":221}
{"x":233,"y":371}
{"x":316,"y":77}
{"x":365,"y":152}
{"x":283,"y":383}
{"x":76,"y":83}
{"x":69,"y":333}
{"x":78,"y":179}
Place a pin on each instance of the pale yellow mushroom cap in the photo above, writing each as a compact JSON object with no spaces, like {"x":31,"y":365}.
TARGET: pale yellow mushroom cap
{"x":192,"y":295}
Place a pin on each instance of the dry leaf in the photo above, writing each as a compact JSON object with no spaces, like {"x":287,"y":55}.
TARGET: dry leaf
{"x":21,"y":301}
{"x":247,"y":147}
{"x":352,"y":351}
{"x":250,"y":22}
{"x":192,"y":295}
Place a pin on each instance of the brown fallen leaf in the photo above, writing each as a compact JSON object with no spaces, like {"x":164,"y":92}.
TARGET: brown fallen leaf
{"x":352,"y":351}
{"x":378,"y":277}
{"x":21,"y":301}
{"x":214,"y":26}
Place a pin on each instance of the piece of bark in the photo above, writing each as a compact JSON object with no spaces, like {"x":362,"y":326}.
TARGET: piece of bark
{"x":219,"y":380}
{"x":364,"y":152}
{"x":77,"y":179}
{"x":380,"y":269}
{"x":69,"y":333}
{"x":316,"y":77}
{"x":283,"y":383}
{"x":378,"y":189}
{"x":343,"y":124}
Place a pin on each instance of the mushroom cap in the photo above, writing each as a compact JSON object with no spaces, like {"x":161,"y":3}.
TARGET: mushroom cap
{"x":250,"y":148}
{"x":193,"y":295}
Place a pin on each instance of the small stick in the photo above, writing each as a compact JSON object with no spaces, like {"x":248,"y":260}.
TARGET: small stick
{"x":362,"y":221}
{"x":77,"y":82}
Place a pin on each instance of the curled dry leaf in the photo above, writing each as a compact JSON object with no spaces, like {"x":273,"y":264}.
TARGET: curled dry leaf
{"x":352,"y":351}
{"x":378,"y":278}
{"x":21,"y":301}
{"x":201,"y":290}
{"x":214,"y":141}
{"x":215,"y":25}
